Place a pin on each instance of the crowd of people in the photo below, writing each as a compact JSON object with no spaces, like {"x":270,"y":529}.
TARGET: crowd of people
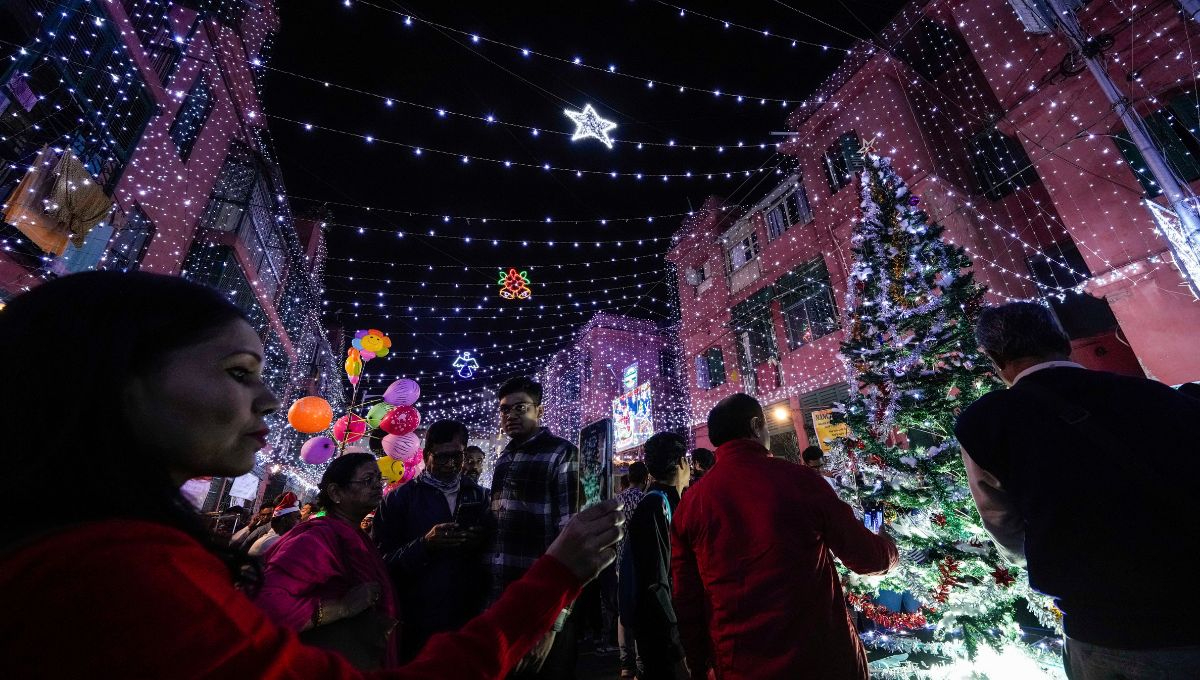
{"x":721,"y":564}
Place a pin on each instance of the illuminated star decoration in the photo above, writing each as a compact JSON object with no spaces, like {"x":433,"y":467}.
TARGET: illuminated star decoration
{"x":868,"y":147}
{"x":588,"y":123}
{"x":515,"y":285}
{"x":466,"y":365}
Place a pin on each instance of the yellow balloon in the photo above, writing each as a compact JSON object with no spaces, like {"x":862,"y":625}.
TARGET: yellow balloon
{"x":391,"y":469}
{"x":354,"y":364}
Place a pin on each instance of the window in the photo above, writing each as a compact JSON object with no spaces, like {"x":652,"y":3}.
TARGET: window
{"x":192,"y":115}
{"x":842,"y":159}
{"x":806,"y":299}
{"x":1081,"y":316}
{"x":710,"y":369}
{"x":241,"y":202}
{"x":752,"y":324}
{"x":153,"y":27}
{"x":81,"y":85}
{"x":793,"y":209}
{"x":130,"y":244}
{"x":743,"y":251}
{"x":1000,"y":163}
{"x":931,"y":49}
{"x":1173,"y":130}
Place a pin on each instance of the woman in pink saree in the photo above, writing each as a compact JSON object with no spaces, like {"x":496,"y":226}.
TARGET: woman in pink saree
{"x":325,"y":579}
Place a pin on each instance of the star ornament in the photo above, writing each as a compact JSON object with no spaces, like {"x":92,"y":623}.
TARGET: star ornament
{"x":588,"y":123}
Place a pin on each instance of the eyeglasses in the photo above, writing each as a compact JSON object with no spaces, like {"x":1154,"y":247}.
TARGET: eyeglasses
{"x":448,"y":457}
{"x":520,"y":408}
{"x":375,"y":481}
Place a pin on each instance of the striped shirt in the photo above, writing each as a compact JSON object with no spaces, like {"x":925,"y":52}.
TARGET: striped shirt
{"x":535,"y":492}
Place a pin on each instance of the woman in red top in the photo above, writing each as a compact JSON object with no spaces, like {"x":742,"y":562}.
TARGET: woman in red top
{"x":135,"y":383}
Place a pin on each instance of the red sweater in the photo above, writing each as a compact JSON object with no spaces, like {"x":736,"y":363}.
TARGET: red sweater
{"x":756,"y":592}
{"x":135,"y":599}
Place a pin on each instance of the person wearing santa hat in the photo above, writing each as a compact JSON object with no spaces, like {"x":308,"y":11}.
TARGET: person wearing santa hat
{"x":286,"y":516}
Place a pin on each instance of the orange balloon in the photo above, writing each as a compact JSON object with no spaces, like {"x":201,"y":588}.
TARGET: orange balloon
{"x":310,"y":415}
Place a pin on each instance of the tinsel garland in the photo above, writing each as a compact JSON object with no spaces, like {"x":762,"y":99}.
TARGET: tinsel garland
{"x":882,"y":616}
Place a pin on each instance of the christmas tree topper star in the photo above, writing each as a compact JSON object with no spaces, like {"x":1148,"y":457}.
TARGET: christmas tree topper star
{"x":588,"y":123}
{"x":868,"y":147}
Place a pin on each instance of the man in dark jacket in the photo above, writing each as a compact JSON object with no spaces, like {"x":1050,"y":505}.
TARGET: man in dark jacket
{"x":649,"y":544}
{"x":1076,"y":474}
{"x":431,"y":532}
{"x":756,"y":592}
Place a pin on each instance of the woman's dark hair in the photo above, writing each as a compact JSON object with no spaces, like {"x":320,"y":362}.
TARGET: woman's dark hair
{"x":70,"y":346}
{"x":340,"y":472}
{"x":812,"y":453}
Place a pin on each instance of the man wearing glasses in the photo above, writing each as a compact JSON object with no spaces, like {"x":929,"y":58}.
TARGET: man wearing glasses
{"x":535,"y":491}
{"x":432,"y":532}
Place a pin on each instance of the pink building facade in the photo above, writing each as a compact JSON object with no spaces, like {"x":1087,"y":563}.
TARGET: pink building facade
{"x":1016,"y":154}
{"x":611,"y":354}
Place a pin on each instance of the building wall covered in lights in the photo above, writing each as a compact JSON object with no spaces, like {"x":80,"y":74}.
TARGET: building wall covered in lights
{"x":611,"y":353}
{"x":1011,"y":149}
{"x":133,"y":137}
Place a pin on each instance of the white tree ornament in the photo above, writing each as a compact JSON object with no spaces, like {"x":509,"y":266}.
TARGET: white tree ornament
{"x":588,"y":123}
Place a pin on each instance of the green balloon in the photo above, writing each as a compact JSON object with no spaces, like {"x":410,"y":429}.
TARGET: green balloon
{"x":377,"y":412}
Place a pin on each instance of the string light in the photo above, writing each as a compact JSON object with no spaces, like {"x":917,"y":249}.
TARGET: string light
{"x":549,"y":167}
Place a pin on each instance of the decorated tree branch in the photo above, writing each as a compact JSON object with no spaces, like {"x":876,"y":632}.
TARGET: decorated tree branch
{"x":913,"y":365}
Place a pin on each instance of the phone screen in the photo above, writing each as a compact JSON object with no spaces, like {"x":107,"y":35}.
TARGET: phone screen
{"x":468,"y":515}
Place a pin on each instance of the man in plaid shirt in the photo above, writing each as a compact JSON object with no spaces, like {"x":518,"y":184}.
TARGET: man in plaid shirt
{"x":535,"y":492}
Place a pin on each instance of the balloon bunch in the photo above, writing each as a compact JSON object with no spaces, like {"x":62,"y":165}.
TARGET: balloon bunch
{"x":367,"y":345}
{"x":395,"y":415}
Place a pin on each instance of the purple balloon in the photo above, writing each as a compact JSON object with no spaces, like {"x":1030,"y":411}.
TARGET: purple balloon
{"x":403,"y":392}
{"x":401,"y":447}
{"x":318,"y":450}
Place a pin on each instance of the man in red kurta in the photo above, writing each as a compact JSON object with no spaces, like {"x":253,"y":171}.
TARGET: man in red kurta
{"x":756,"y":592}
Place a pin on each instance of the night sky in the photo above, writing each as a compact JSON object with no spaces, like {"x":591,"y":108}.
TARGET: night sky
{"x":368,"y":47}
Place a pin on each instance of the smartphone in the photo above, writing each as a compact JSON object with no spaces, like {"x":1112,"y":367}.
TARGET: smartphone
{"x":469,"y":515}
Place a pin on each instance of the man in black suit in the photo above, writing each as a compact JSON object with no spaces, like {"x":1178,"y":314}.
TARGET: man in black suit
{"x":1081,"y":476}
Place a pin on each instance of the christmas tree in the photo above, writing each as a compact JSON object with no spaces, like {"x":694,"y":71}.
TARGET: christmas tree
{"x":911,"y":302}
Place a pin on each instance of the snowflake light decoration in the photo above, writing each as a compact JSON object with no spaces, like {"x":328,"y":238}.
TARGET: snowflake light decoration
{"x":588,"y":123}
{"x":514,"y":285}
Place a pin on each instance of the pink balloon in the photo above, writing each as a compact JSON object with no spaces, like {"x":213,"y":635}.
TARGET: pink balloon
{"x":356,"y":425}
{"x":410,"y":471}
{"x":403,"y":392}
{"x":414,"y":459}
{"x":353,"y":380}
{"x":318,"y":450}
{"x":401,"y":447}
{"x":401,"y":420}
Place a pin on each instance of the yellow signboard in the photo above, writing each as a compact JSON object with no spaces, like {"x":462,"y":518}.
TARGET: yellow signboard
{"x":826,"y":429}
